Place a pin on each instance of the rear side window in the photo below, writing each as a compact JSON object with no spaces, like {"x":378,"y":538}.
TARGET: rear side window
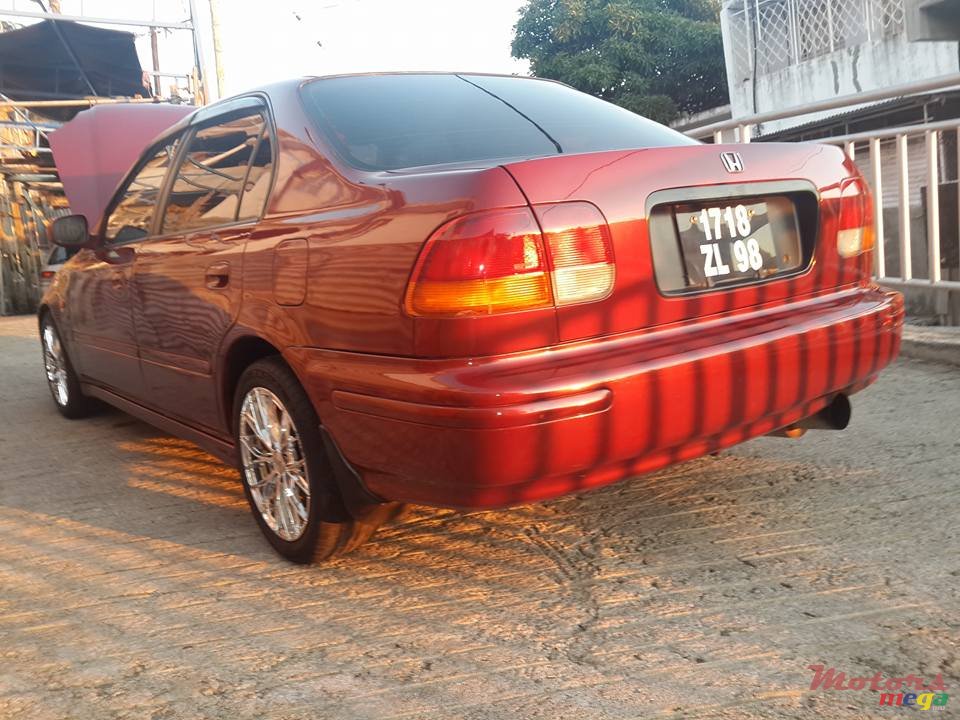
{"x":131,"y":218}
{"x":388,"y":122}
{"x":222,"y":165}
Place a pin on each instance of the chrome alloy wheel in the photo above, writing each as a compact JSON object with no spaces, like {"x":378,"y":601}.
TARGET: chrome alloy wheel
{"x":273,"y":464}
{"x":56,"y":365}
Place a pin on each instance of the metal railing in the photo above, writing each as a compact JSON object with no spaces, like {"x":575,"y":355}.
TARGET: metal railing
{"x":894,"y":155}
{"x":933,"y":137}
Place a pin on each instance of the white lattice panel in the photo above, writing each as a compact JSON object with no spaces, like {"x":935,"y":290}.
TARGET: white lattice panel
{"x":786,"y":32}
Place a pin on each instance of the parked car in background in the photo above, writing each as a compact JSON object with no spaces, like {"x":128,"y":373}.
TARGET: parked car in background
{"x":467,"y":291}
{"x":55,"y":260}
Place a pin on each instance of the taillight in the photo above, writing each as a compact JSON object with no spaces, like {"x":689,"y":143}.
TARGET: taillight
{"x":480,"y":265}
{"x":580,"y":251}
{"x":855,"y":230}
{"x":47,"y":274}
{"x":500,"y":261}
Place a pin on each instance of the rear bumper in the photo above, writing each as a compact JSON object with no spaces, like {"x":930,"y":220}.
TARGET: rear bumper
{"x":530,"y":426}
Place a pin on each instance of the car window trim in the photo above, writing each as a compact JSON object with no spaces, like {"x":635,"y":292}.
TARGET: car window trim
{"x":118,"y":196}
{"x":254,"y":104}
{"x":253,"y":156}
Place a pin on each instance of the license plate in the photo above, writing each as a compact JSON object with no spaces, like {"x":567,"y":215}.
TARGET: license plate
{"x":738,"y":241}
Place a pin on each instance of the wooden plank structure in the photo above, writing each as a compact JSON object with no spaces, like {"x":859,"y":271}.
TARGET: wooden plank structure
{"x":30,"y":197}
{"x":56,"y":81}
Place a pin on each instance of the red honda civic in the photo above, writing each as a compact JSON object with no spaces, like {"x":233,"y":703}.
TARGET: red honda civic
{"x":465,"y":291}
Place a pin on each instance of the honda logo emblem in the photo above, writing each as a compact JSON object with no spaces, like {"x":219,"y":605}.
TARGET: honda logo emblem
{"x":732,"y":162}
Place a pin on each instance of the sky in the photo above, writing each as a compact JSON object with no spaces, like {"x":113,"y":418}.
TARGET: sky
{"x":277,"y":39}
{"x":341,"y":36}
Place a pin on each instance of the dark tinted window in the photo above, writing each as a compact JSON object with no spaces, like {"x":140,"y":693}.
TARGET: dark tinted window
{"x":580,"y":122}
{"x":133,"y":215}
{"x":214,"y":172}
{"x":59,"y":255}
{"x":387,"y":122}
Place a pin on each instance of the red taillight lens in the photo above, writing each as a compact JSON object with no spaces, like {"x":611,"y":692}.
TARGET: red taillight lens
{"x":855,"y":230}
{"x":47,"y":274}
{"x":480,"y":265}
{"x":500,"y":261}
{"x":580,"y":251}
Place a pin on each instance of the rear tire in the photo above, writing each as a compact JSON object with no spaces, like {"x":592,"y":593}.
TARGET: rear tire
{"x":287,"y":477}
{"x":61,"y":379}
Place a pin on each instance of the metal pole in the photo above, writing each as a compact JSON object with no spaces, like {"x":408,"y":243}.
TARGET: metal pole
{"x":906,"y":261}
{"x":155,"y":54}
{"x":198,"y":54}
{"x":94,"y":20}
{"x":217,"y":47}
{"x":876,"y":164}
{"x":933,"y":205}
{"x":85,"y":102}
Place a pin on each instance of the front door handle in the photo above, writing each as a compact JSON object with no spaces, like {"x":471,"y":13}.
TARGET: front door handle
{"x":218,"y":276}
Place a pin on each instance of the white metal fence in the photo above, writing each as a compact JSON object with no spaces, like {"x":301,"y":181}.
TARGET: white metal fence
{"x":919,"y":257}
{"x":768,"y":35}
{"x":914,"y":172}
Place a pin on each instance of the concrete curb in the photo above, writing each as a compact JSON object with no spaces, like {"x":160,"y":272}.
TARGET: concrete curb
{"x":939,"y":344}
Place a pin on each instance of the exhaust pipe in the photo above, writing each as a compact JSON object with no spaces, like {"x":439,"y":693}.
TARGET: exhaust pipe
{"x":835,"y":416}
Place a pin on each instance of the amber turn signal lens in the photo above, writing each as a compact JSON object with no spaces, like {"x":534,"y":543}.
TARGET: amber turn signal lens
{"x":500,"y":261}
{"x":482,"y":264}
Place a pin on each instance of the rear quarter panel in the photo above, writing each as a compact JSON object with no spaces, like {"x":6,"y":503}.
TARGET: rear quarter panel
{"x":363,"y":233}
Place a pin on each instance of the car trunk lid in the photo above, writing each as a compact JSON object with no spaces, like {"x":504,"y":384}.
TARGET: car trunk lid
{"x":653,"y":199}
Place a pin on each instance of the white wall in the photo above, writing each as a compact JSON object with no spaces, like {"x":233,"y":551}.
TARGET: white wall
{"x":870,"y":66}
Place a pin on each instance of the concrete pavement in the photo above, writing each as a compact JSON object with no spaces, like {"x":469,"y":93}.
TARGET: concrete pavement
{"x":134,"y":583}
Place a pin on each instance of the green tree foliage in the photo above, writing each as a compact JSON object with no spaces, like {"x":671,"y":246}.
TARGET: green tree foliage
{"x":658,"y":58}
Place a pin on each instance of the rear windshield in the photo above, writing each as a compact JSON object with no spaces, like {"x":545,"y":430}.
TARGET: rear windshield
{"x":389,"y":122}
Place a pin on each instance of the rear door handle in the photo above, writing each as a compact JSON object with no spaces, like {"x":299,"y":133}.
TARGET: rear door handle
{"x":218,"y":276}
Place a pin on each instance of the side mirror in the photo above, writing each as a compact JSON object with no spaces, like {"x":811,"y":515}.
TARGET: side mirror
{"x":71,"y":232}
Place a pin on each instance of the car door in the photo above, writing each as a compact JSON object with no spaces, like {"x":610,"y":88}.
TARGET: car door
{"x":98,"y":292}
{"x":188,"y":278}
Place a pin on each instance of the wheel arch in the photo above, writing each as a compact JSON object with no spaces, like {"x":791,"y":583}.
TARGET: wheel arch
{"x":240,"y":354}
{"x":43,"y":312}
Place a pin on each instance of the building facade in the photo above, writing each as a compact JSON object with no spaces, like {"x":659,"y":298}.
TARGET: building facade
{"x":785,"y":54}
{"x":790,"y":53}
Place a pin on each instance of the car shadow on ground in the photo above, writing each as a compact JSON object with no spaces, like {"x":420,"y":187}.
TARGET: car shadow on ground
{"x":167,"y":489}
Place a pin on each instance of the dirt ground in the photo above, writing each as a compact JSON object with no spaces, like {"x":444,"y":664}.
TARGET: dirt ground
{"x":134,"y":583}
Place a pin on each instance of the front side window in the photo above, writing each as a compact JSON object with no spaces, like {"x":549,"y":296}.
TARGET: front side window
{"x":133,"y":215}
{"x":222,"y":165}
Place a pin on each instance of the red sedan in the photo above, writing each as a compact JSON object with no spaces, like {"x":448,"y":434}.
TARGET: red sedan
{"x":462,"y":290}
